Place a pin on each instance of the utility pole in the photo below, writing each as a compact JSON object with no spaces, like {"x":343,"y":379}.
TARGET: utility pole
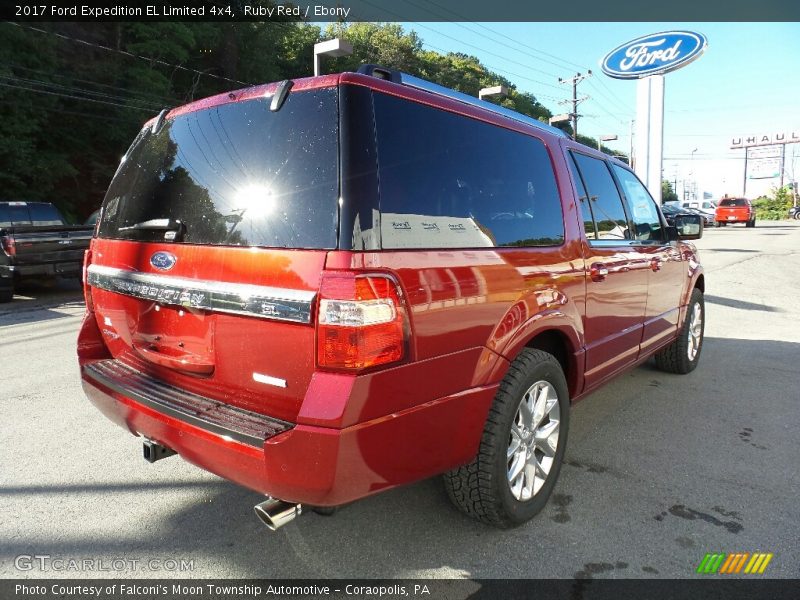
{"x":575,"y":100}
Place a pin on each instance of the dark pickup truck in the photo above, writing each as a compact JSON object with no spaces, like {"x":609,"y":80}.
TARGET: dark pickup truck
{"x":36,"y":241}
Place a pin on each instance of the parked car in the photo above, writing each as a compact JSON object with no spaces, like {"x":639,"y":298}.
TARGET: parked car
{"x":92,"y":219}
{"x":735,"y":210}
{"x":671,"y":209}
{"x":705,"y":208}
{"x":794,"y":212}
{"x":426,"y":288}
{"x":36,"y":241}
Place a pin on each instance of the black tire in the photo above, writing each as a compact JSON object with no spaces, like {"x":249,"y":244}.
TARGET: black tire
{"x":481,"y":489}
{"x":752,"y":223}
{"x":6,"y":294}
{"x":797,"y":215}
{"x":717,"y":224}
{"x":675,"y":358}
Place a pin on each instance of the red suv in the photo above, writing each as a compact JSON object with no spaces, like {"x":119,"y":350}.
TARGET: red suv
{"x":734,"y":210}
{"x":324,"y":288}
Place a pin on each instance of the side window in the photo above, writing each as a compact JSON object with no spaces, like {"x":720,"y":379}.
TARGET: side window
{"x":642,"y":207}
{"x":583,"y":201}
{"x":609,"y":214}
{"x":448,"y":181}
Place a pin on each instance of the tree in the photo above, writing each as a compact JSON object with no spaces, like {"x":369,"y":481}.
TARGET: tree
{"x":667,"y":193}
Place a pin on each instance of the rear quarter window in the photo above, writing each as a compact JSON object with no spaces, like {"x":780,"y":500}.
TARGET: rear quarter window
{"x":449,"y":181}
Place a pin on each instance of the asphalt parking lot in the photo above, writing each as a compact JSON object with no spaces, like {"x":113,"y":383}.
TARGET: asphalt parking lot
{"x":660,"y":469}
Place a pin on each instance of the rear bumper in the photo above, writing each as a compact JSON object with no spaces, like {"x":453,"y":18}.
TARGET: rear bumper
{"x":42,"y":269}
{"x":302,"y":463}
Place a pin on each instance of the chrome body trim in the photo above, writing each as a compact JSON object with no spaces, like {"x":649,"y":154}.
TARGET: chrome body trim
{"x":236,"y":298}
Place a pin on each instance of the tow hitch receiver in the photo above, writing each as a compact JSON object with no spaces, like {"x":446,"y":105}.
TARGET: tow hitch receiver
{"x":153,"y":451}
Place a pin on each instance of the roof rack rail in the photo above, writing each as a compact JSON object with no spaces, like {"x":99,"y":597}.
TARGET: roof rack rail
{"x":435,"y":88}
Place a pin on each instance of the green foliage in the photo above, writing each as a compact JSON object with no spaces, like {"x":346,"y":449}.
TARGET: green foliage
{"x":69,"y":108}
{"x":667,"y":193}
{"x":775,"y":206}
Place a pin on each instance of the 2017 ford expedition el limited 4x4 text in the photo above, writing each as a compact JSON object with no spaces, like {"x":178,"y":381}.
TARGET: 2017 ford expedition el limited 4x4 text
{"x":324,"y":288}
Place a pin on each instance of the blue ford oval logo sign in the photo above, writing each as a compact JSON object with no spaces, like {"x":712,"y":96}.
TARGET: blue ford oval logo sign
{"x":653,"y":54}
{"x":163,"y":261}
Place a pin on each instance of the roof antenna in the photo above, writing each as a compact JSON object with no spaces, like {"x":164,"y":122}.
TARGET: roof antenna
{"x":159,"y":122}
{"x":280,"y":95}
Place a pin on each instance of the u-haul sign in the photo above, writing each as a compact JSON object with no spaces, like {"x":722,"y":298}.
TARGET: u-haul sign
{"x":766,"y":139}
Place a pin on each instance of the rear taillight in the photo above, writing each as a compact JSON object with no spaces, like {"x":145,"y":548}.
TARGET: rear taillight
{"x":87,"y":289}
{"x":8,"y":245}
{"x":361,"y":321}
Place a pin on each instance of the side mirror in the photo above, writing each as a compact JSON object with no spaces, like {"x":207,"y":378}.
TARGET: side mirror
{"x":689,"y":227}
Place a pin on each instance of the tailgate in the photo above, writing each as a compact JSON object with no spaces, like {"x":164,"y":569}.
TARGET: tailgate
{"x":232,"y":324}
{"x":211,"y":242}
{"x":44,"y":245}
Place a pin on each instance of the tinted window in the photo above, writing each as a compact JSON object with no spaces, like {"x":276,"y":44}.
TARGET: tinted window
{"x":45,"y":214}
{"x":451,"y":181}
{"x":583,"y":200}
{"x":609,"y":215}
{"x":641,"y":206}
{"x":235,"y":174}
{"x":14,"y":214}
{"x":733,"y":202}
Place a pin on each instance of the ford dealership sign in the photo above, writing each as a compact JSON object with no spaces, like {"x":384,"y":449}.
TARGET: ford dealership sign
{"x":654,"y":54}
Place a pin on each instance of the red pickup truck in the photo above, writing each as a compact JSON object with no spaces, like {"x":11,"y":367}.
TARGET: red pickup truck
{"x":325,"y":288}
{"x":734,"y":210}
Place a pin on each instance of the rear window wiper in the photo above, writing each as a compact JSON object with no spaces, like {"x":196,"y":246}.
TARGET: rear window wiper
{"x":173,"y":229}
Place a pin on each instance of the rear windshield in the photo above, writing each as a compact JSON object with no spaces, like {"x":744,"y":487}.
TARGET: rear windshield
{"x":733,"y":202}
{"x":236,"y":174}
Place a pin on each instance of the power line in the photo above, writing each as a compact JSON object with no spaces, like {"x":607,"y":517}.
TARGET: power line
{"x":130,"y":54}
{"x":128,"y":92}
{"x":56,"y":86}
{"x":37,"y":91}
{"x":560,"y":64}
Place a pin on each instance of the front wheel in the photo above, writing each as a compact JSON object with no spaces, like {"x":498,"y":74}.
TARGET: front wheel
{"x":682,"y":355}
{"x":522,"y":446}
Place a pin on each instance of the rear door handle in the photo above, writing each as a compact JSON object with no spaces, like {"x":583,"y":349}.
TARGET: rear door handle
{"x":186,"y":363}
{"x":598,"y":272}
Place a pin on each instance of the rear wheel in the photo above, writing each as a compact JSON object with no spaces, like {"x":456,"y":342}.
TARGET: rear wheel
{"x":682,"y":355}
{"x":797,"y":215}
{"x":752,"y":222}
{"x":522,"y":446}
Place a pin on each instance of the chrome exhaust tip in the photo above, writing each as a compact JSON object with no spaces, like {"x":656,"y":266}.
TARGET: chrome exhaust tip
{"x":276,"y":513}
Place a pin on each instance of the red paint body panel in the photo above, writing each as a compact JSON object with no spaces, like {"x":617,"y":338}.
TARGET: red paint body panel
{"x":470,"y":312}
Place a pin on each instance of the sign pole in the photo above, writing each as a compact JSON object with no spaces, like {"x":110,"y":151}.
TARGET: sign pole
{"x":649,"y":147}
{"x":744,"y":185}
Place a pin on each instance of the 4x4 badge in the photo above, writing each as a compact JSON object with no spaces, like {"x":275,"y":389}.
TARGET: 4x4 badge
{"x":163,"y":261}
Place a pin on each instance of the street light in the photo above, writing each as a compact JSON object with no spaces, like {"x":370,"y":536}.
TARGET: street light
{"x":605,"y":138}
{"x":334,"y":48}
{"x":498,"y":91}
{"x":694,"y":179}
{"x":560,"y":118}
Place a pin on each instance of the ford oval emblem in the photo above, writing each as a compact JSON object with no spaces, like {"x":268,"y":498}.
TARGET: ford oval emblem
{"x":163,"y":261}
{"x":654,"y":54}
